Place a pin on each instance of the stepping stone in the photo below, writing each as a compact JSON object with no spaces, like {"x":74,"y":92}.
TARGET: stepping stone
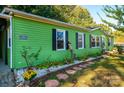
{"x":52,"y":83}
{"x":107,"y":77}
{"x":62,"y":76}
{"x":70,"y":72}
{"x":77,"y":68}
{"x":116,"y":78}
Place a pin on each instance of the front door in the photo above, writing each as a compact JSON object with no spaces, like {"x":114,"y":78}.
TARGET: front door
{"x":3,"y":45}
{"x":0,"y":45}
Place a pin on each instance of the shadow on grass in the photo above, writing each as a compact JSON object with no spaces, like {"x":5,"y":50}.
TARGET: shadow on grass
{"x":112,"y":64}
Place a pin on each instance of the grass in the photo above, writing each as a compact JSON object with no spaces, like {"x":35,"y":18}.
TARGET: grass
{"x":107,"y":72}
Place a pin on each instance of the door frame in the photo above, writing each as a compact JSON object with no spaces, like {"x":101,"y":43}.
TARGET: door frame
{"x":9,"y":19}
{"x":4,"y":43}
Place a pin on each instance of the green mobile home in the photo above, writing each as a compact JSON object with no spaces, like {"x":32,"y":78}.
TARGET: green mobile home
{"x":19,"y":29}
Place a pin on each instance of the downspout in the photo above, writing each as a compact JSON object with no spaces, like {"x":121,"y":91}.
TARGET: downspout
{"x":11,"y":63}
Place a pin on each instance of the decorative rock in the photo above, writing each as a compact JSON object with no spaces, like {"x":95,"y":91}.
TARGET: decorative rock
{"x":51,"y":83}
{"x":20,"y":85}
{"x":77,"y":68}
{"x":83,"y":66}
{"x":90,"y":62}
{"x":70,"y":72}
{"x":27,"y":86}
{"x":62,"y":76}
{"x":89,"y":59}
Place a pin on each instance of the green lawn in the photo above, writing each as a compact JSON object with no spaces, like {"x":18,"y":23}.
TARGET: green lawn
{"x":107,"y":72}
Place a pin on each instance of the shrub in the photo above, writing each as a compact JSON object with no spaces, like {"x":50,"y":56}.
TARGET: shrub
{"x":120,"y":49}
{"x":30,"y":57}
{"x":49,"y":63}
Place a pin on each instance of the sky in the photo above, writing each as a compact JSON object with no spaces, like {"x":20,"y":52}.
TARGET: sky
{"x":94,"y":9}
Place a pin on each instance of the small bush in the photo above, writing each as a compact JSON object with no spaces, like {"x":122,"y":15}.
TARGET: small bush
{"x":49,"y":63}
{"x":120,"y":49}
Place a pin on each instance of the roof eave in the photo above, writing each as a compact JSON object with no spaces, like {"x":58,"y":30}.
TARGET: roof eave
{"x":43,"y":19}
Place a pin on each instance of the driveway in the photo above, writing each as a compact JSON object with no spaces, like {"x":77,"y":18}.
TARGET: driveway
{"x":6,"y":76}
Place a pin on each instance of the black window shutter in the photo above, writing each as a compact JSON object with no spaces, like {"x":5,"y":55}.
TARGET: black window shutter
{"x":101,"y":41}
{"x":84,"y":40}
{"x":112,"y":41}
{"x":66,"y":39}
{"x":90,"y":40}
{"x":76,"y":40}
{"x":54,"y":39}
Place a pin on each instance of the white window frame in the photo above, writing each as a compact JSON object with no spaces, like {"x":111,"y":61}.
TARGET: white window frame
{"x":82,"y":40}
{"x":60,"y":30}
{"x":96,"y":42}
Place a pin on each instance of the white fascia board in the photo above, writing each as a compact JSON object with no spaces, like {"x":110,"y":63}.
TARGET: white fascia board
{"x":4,"y":16}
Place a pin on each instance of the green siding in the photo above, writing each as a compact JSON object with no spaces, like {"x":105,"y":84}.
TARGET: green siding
{"x":40,"y":35}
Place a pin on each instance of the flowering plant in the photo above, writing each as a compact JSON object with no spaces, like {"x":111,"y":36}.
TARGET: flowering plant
{"x":29,"y":74}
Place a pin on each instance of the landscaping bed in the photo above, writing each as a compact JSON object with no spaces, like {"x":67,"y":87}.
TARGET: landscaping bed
{"x":71,"y":72}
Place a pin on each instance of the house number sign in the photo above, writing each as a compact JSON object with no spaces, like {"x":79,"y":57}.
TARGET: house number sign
{"x":23,"y":37}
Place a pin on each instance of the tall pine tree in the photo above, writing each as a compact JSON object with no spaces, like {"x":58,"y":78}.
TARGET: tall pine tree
{"x":117,"y":13}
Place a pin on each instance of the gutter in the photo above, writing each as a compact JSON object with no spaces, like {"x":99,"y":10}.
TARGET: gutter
{"x":11,"y":48}
{"x":42,"y":19}
{"x":4,"y":16}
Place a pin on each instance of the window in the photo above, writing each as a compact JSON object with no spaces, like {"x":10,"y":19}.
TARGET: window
{"x":60,"y":39}
{"x":80,"y":40}
{"x":109,"y":42}
{"x":92,"y":41}
{"x":95,"y":41}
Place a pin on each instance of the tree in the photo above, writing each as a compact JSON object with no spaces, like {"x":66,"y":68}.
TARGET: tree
{"x":105,"y":28}
{"x":47,"y":11}
{"x":81,"y":17}
{"x":119,"y":36}
{"x":67,"y":13}
{"x":117,"y":13}
{"x":1,"y":7}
